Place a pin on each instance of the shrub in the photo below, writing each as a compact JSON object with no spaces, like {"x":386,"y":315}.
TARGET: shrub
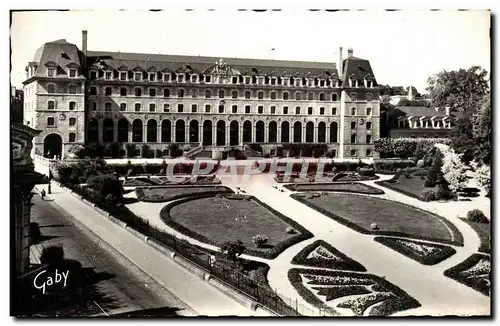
{"x":477,"y":215}
{"x":452,"y":169}
{"x":232,"y":249}
{"x":421,"y":173}
{"x":429,"y":183}
{"x":290,"y":230}
{"x":106,"y":184}
{"x":407,"y":175}
{"x":428,"y":195}
{"x":259,"y":240}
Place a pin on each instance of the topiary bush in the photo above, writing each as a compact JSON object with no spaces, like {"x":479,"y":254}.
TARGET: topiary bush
{"x":428,"y":195}
{"x":477,"y":215}
{"x":259,"y":240}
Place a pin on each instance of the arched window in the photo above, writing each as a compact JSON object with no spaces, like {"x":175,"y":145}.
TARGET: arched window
{"x":353,"y":111}
{"x":273,"y":95}
{"x":260,"y":95}
{"x":322,"y":97}
{"x":368,"y":111}
{"x":138,"y":91}
{"x":334,"y":97}
{"x":310,"y":96}
{"x":298,"y":96}
{"x":285,"y":96}
{"x":234,"y":94}
{"x":180,"y":93}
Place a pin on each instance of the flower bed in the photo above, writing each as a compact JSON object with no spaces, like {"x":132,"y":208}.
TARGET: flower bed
{"x":352,"y":187}
{"x":424,"y":253}
{"x":473,"y":272}
{"x":322,"y":254}
{"x":161,"y":194}
{"x":368,"y":290}
{"x":215,"y":220}
{"x":393,"y":218}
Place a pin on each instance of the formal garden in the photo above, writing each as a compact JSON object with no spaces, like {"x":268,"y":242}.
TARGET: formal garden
{"x":352,"y":187}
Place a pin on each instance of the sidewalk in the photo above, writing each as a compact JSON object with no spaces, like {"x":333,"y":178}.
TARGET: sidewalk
{"x":195,"y":292}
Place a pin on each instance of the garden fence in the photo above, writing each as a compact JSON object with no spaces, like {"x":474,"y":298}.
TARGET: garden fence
{"x":203,"y":259}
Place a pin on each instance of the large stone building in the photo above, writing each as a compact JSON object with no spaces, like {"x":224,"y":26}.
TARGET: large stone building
{"x":79,"y":97}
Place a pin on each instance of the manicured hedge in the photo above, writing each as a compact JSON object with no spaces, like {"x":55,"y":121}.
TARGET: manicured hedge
{"x":388,"y":307}
{"x":390,"y":166}
{"x":332,"y":187}
{"x":272,"y":253}
{"x":475,"y":283}
{"x":458,"y":242}
{"x":405,"y":147}
{"x":212,"y":191}
{"x":345,"y":262}
{"x":444,"y":252}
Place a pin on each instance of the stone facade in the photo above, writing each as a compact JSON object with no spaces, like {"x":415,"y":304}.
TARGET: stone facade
{"x":158,"y":100}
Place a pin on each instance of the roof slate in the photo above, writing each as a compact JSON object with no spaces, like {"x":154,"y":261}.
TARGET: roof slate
{"x":60,"y":52}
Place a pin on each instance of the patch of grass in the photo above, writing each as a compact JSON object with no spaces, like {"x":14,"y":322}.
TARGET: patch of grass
{"x":353,"y":187}
{"x":216,"y":220}
{"x":397,"y":301}
{"x":341,"y":262}
{"x":483,"y":230}
{"x":435,"y":255}
{"x":412,"y":187}
{"x":169,"y":193}
{"x":476,"y":279}
{"x":393,"y":218}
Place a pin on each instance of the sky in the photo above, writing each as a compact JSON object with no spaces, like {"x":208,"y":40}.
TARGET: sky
{"x":403,"y":47}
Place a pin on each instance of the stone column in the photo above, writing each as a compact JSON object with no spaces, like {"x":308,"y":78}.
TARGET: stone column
{"x":115,"y":132}
{"x":158,"y":133}
{"x":228,"y":138}
{"x":327,"y":133}
{"x":240,"y":134}
{"x":99,"y":131}
{"x":315,"y":134}
{"x":130,"y":135}
{"x":278,"y":135}
{"x":186,"y":132}
{"x":254,"y":132}
{"x":172,"y":132}
{"x":303,"y":139}
{"x":214,"y":133}
{"x":200,"y":132}
{"x":266,"y":133}
{"x":144,"y":133}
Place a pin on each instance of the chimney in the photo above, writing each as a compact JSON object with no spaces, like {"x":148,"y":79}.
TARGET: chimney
{"x":339,"y":62}
{"x":350,"y":52}
{"x":84,"y":42}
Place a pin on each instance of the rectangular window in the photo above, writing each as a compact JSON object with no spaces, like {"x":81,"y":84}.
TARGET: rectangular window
{"x":208,"y":94}
{"x":72,"y":121}
{"x":138,"y":92}
{"x":247,"y":80}
{"x":248,"y":94}
{"x":353,"y":139}
{"x":207,"y":108}
{"x":221,"y":108}
{"x":123,"y":92}
{"x":194,"y":108}
{"x":235,"y":80}
{"x":152,"y":92}
{"x":285,"y":96}
{"x":321,"y":111}
{"x":273,"y":110}
{"x":72,"y":72}
{"x":166,"y":92}
{"x":137,"y":107}
{"x":123,"y":106}
{"x":93,"y":74}
{"x":180,"y":93}
{"x":107,"y":75}
{"x":368,"y":152}
{"x":353,"y":125}
{"x":309,"y":110}
{"x":354,"y":83}
{"x":368,"y":139}
{"x":72,"y":106}
{"x":221,"y":94}
{"x":273,"y":95}
{"x":94,"y":106}
{"x":123,"y":75}
{"x":51,"y":105}
{"x":166,"y":107}
{"x":180,"y":108}
{"x":260,"y":95}
{"x":273,"y":81}
{"x":260,"y":110}
{"x":208,"y":79}
{"x":72,"y":137}
{"x":152,"y":77}
{"x":138,"y":76}
{"x":368,"y":125}
{"x":353,"y":152}
{"x":297,"y":110}
{"x":234,"y":94}
{"x":234,"y":109}
{"x":368,"y":83}
{"x":166,"y":77}
{"x":285,"y":110}
{"x":353,"y":111}
{"x":180,"y":78}
{"x":108,"y":91}
{"x":194,"y":78}
{"x":152,"y":107}
{"x":51,"y":71}
{"x":247,"y":109}
{"x":93,"y":90}
{"x":107,"y":107}
{"x":51,"y":121}
{"x":368,"y":111}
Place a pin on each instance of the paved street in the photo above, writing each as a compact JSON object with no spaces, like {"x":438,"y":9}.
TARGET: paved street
{"x":127,"y":287}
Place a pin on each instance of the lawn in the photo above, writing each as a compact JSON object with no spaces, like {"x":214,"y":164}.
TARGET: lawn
{"x":483,"y":230}
{"x":216,"y":220}
{"x":412,"y":186}
{"x":354,"y":187}
{"x":168,"y":193}
{"x":393,"y":218}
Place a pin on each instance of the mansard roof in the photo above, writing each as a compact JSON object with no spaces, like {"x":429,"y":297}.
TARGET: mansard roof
{"x":199,"y":64}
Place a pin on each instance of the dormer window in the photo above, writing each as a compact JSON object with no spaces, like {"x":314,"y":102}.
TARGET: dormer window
{"x":152,"y":77}
{"x":180,"y":78}
{"x":51,"y":71}
{"x":72,"y":73}
{"x":123,"y":75}
{"x":107,"y":75}
{"x":166,"y":77}
{"x":93,"y":74}
{"x":208,"y":79}
{"x":138,"y":76}
{"x":310,"y":83}
{"x":247,"y":80}
{"x":194,"y":78}
{"x":354,"y":83}
{"x":369,"y":83}
{"x":235,"y":80}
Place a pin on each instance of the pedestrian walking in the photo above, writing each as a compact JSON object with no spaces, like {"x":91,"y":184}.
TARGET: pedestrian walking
{"x":43,"y":193}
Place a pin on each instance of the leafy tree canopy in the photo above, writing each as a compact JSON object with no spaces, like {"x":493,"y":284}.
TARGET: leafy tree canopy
{"x":462,"y":90}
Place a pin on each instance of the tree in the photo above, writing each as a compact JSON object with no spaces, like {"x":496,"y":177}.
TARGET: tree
{"x":232,"y":249}
{"x":483,"y":176}
{"x":462,"y":140}
{"x":481,"y":132}
{"x":453,"y":169}
{"x":461,"y":90}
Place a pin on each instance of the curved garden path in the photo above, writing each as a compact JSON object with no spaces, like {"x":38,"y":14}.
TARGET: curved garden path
{"x":438,"y":294}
